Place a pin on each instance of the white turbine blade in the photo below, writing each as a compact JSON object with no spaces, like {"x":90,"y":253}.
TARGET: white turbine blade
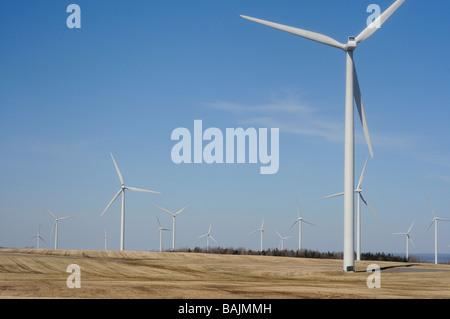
{"x":141,"y":190}
{"x":445,"y":220}
{"x":169,"y":212}
{"x":362,"y":173}
{"x":254,"y":231}
{"x":410,"y":239}
{"x":112,"y":201}
{"x":209,"y":230}
{"x":53,"y":228}
{"x":307,"y":222}
{"x":335,"y":195}
{"x":432,"y":210}
{"x":117,"y":169}
{"x":365,"y":202}
{"x":410,"y":227}
{"x":67,"y":217}
{"x":262,"y":224}
{"x":298,"y":209}
{"x":299,"y":32}
{"x":165,"y":229}
{"x":399,"y":233}
{"x":360,"y":107}
{"x":183,"y":209}
{"x":201,"y":236}
{"x":278,"y":234}
{"x":51,"y":212}
{"x":158,"y":222}
{"x":295,"y":222}
{"x":430,"y":225}
{"x":212,"y":238}
{"x":371,"y":28}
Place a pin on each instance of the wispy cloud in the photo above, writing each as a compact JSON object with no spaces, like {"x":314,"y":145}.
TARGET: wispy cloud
{"x":292,"y":116}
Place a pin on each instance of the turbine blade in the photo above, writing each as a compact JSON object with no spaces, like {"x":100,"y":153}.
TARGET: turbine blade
{"x":330,"y":196}
{"x":299,"y":32}
{"x":117,"y":169}
{"x":307,"y":222}
{"x":362,"y":173}
{"x":432,"y":210}
{"x":51,"y":213}
{"x":212,"y":238}
{"x":360,"y":107}
{"x":158,"y":222}
{"x":410,"y":239}
{"x":169,"y":212}
{"x":295,"y":222}
{"x":365,"y":202}
{"x":298,"y":209}
{"x":410,"y":227}
{"x":399,"y":234}
{"x":112,"y":201}
{"x":430,"y":225}
{"x":378,"y":22}
{"x":183,"y":209}
{"x":445,"y":220}
{"x":53,"y":228}
{"x":141,"y":190}
{"x":278,"y":234}
{"x":67,"y":217}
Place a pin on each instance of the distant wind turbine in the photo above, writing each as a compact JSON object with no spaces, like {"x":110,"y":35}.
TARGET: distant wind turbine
{"x":38,"y":237}
{"x":122,"y":190}
{"x":435,"y":220}
{"x":408,"y":238}
{"x":55,"y":225}
{"x":360,"y":198}
{"x":173,"y":221}
{"x":299,"y":220}
{"x":105,"y":238}
{"x":261,"y":230}
{"x":352,"y":93}
{"x":282,"y":239}
{"x":208,"y":236}
{"x":160,"y":230}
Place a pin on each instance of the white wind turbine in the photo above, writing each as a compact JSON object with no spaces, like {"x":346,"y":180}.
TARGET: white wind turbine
{"x":408,"y":239}
{"x":282,"y":239}
{"x":38,"y":237}
{"x":352,"y":93}
{"x":105,"y":238}
{"x":122,"y":190}
{"x":360,"y":198}
{"x":173,"y":221}
{"x":435,"y":220}
{"x":299,"y":220}
{"x":208,"y":236}
{"x":55,"y":226}
{"x":261,"y":230}
{"x":160,"y":230}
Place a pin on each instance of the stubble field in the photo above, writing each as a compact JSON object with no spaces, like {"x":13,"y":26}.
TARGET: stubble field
{"x":41,"y":273}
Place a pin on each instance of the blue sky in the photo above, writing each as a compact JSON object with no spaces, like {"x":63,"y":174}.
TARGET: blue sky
{"x":137,"y":70}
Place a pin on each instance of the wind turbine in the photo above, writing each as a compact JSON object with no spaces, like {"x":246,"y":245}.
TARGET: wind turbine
{"x":173,"y":221}
{"x":208,"y":236}
{"x":299,"y":220}
{"x":408,"y":238}
{"x":352,"y":93}
{"x":122,"y":190}
{"x":160,"y":230}
{"x":261,"y":230}
{"x":360,"y":198}
{"x":282,"y":239}
{"x":435,"y":220}
{"x":105,"y":238}
{"x":55,"y":226}
{"x":38,"y":237}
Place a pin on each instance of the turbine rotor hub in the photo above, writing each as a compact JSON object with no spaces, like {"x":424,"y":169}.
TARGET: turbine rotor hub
{"x":351,"y":44}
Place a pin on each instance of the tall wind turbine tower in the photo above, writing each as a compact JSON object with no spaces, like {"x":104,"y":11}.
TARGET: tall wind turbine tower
{"x":261,"y":230}
{"x":352,"y":93}
{"x":55,"y":226}
{"x":122,"y":190}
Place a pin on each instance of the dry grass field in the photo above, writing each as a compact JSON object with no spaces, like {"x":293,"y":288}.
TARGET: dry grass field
{"x":41,"y":273}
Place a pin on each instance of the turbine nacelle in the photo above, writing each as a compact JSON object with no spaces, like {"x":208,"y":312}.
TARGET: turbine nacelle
{"x":351,"y":44}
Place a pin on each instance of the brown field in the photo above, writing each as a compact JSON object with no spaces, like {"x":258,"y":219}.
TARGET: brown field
{"x":41,"y":273}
